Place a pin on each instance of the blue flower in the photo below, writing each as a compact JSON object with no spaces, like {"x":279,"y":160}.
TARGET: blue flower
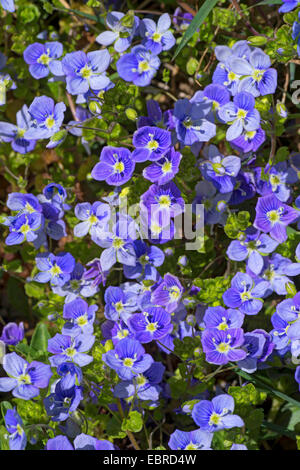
{"x":12,"y":333}
{"x":276,"y":270}
{"x":165,"y":199}
{"x":42,"y":59}
{"x":119,"y":304}
{"x":191,"y":121}
{"x":115,"y":167}
{"x":258,"y":344}
{"x":17,"y":438}
{"x":279,"y":176}
{"x":118,"y":244}
{"x":24,"y":379}
{"x":80,"y":317}
{"x":151,"y":143}
{"x":78,"y":285}
{"x":152,"y":324}
{"x":220,"y":170}
{"x":94,"y":219}
{"x":215,"y":203}
{"x":253,"y":246}
{"x":59,"y":443}
{"x":224,"y":75}
{"x":139,"y":66}
{"x":23,"y":228}
{"x":86,"y":71}
{"x":68,"y":349}
{"x":64,"y":400}
{"x":216,"y":414}
{"x":46,"y":118}
{"x":15,"y":133}
{"x":192,"y":440}
{"x":147,"y":259}
{"x":128,"y":359}
{"x":168,"y":293}
{"x":273,"y":216}
{"x":222,"y":319}
{"x":245,"y":295}
{"x":157,"y":38}
{"x":163,"y":170}
{"x":56,"y":269}
{"x":121,"y":35}
{"x":144,"y":385}
{"x":240,"y":114}
{"x":223,"y":346}
{"x":258,"y":76}
{"x":289,"y":310}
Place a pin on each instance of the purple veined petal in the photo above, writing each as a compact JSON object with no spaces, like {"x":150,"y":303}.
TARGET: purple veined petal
{"x":236,"y":355}
{"x":127,"y":67}
{"x":252,"y":120}
{"x":278,"y":232}
{"x":8,"y":131}
{"x":232,"y":421}
{"x":223,"y":401}
{"x":127,"y":255}
{"x":293,"y":331}
{"x":240,"y":66}
{"x":84,"y":342}
{"x":249,"y":85}
{"x":40,"y":374}
{"x":101,"y":171}
{"x":232,"y":298}
{"x":267,"y":244}
{"x":33,"y":52}
{"x":251,"y":307}
{"x":108,"y":258}
{"x":236,"y":251}
{"x":99,"y":60}
{"x":26,"y":392}
{"x":164,"y":23}
{"x":244,"y":101}
{"x":235,"y":130}
{"x":14,"y":238}
{"x":285,"y":310}
{"x":228,"y":112}
{"x":77,"y":85}
{"x":99,"y":82}
{"x":82,"y":210}
{"x":222,"y":53}
{"x":38,"y":71}
{"x":255,"y":262}
{"x":292,"y":269}
{"x":55,"y":67}
{"x":14,"y":365}
{"x":82,"y":229}
{"x":107,"y":37}
{"x":259,"y":60}
{"x":55,"y":48}
{"x":122,"y":44}
{"x":7,"y":384}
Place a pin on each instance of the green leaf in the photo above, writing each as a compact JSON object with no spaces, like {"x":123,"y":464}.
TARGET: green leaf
{"x":261,"y":383}
{"x":5,"y":405}
{"x":257,"y":40}
{"x":33,"y":289}
{"x":4,"y":445}
{"x":195,"y":24}
{"x":134,"y":422}
{"x":39,"y":341}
